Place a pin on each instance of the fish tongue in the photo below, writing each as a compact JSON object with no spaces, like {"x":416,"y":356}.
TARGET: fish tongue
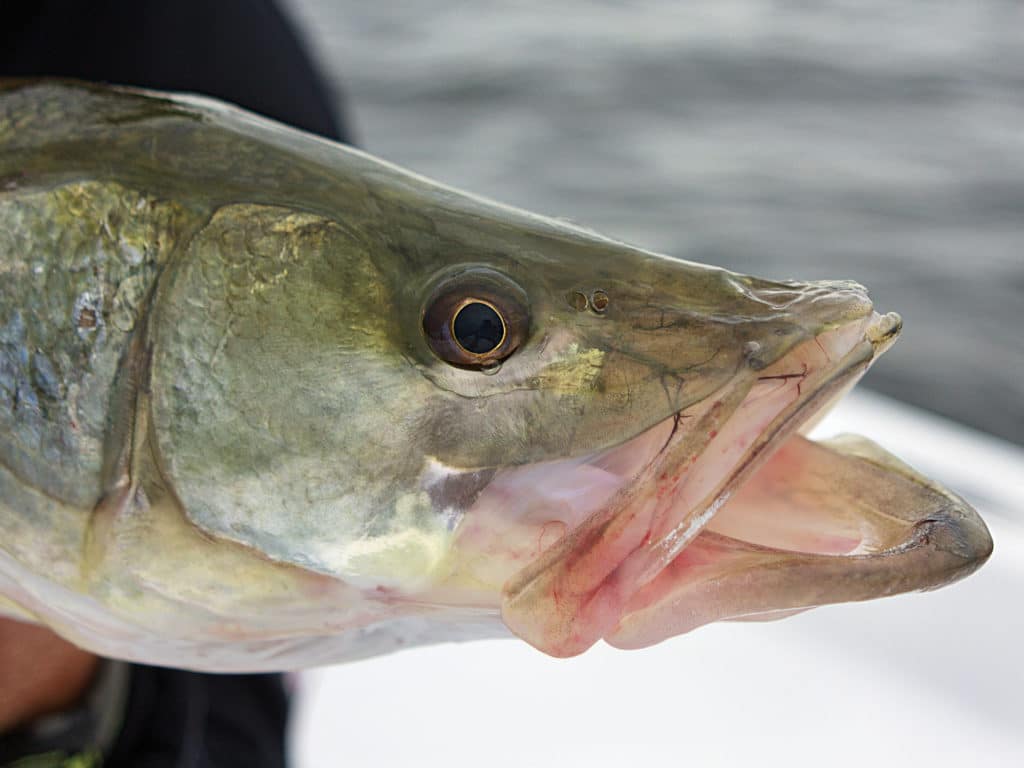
{"x":575,"y":593}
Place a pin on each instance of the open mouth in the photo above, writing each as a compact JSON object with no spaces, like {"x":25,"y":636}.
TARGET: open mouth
{"x":722,"y":511}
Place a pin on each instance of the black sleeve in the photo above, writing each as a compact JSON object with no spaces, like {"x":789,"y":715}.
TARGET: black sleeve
{"x":176,"y":719}
{"x":242,"y":51}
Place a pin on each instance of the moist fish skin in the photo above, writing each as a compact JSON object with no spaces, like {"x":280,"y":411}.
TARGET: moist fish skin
{"x":242,"y":426}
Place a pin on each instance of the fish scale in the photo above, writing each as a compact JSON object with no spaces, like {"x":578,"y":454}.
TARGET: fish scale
{"x":79,"y":261}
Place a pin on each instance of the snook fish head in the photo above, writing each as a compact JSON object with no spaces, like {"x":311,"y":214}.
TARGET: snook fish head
{"x":324,"y":462}
{"x":563,"y":477}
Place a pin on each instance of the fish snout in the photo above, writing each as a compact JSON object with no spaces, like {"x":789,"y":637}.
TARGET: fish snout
{"x":822,"y":305}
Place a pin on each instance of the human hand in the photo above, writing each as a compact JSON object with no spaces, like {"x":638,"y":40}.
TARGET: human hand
{"x":40,"y":673}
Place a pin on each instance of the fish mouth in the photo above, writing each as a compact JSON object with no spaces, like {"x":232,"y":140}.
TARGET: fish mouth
{"x":721,"y":511}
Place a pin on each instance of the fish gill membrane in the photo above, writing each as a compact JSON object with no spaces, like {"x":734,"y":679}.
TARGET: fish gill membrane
{"x":267,"y":402}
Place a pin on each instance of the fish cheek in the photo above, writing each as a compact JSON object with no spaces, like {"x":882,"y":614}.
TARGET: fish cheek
{"x":276,"y":395}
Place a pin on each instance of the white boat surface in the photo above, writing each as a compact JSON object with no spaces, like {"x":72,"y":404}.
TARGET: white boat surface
{"x":932,"y":679}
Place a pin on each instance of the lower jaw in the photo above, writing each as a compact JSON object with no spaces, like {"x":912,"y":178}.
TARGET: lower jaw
{"x":818,"y":523}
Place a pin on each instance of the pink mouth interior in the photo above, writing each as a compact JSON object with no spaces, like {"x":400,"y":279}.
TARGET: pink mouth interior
{"x":780,"y":521}
{"x":540,"y":510}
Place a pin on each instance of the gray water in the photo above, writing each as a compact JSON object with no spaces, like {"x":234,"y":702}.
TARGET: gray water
{"x":876,"y":140}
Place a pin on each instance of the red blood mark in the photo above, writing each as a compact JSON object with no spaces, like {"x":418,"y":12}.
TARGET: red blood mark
{"x":822,"y":348}
{"x":713,"y":434}
{"x":549,"y":534}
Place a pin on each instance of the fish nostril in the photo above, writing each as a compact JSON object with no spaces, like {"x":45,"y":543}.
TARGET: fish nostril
{"x":577,"y":300}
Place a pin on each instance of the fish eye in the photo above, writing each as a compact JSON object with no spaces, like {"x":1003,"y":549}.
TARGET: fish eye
{"x":476,"y":319}
{"x":478,"y":327}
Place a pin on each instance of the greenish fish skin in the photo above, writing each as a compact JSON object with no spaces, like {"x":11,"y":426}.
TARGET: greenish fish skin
{"x":219,"y":415}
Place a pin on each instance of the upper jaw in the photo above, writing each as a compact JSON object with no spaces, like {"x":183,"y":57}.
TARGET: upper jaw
{"x":627,"y":544}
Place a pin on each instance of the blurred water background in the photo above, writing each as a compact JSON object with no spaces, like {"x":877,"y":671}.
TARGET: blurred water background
{"x":879,"y":140}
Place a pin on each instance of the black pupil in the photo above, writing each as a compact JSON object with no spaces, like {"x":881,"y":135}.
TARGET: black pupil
{"x":478,"y":328}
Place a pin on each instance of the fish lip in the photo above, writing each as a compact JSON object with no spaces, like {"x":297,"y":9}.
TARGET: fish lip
{"x":883,"y":331}
{"x":879,"y":334}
